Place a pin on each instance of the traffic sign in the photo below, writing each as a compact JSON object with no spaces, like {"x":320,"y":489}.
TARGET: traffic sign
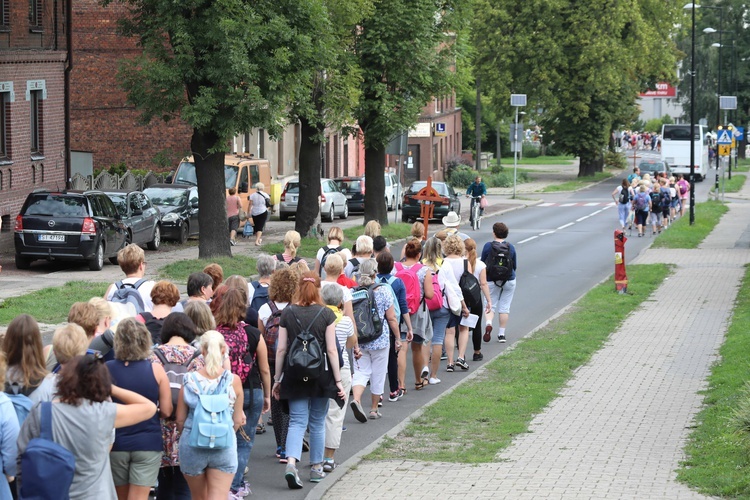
{"x":725,"y":149}
{"x":724,"y":137}
{"x":739,"y":133}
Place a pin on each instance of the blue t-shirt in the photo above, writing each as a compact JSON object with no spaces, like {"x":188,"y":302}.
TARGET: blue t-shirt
{"x":486,"y":255}
{"x":399,"y":289}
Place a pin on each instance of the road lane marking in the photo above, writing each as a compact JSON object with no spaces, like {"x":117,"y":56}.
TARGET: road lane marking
{"x":583,"y":218}
{"x":565,"y":225}
{"x":569,"y":204}
{"x":548,"y":232}
{"x":591,"y":204}
{"x":528,"y":239}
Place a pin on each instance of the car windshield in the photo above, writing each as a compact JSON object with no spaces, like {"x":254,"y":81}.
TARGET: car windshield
{"x":186,"y":174}
{"x":652,"y":166}
{"x":55,"y":205}
{"x":680,"y":133}
{"x":166,"y":197}
{"x":230,"y":175}
{"x":440,"y":187}
{"x":120,"y":201}
{"x":292,"y":187}
{"x":350,"y":186}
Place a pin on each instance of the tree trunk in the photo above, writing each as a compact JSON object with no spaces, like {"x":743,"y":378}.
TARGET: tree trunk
{"x":308,"y":208}
{"x":212,"y":217}
{"x":587,"y":165}
{"x":375,"y":208}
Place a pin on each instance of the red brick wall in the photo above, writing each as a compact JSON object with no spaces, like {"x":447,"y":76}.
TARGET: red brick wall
{"x":101,"y":121}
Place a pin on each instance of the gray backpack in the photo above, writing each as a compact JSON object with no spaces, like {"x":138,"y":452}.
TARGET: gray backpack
{"x":127,"y":293}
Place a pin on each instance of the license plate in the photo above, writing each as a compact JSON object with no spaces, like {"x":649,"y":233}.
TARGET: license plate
{"x":293,"y":199}
{"x":349,"y":196}
{"x":52,"y":237}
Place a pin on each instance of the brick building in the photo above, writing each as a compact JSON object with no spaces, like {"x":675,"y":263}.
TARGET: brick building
{"x":33,"y":55}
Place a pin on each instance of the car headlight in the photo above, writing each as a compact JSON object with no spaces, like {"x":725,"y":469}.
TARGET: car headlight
{"x":170,"y":217}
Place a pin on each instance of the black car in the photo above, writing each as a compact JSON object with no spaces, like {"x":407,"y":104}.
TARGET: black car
{"x":68,"y":225}
{"x":354,"y":189}
{"x":412,"y":207}
{"x":178,"y":204}
{"x":140,"y":216}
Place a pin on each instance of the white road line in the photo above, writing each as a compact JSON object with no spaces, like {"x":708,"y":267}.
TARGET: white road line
{"x":528,"y":239}
{"x":547,"y":204}
{"x":592,"y":204}
{"x":548,"y":232}
{"x":566,"y":225}
{"x":583,"y":218}
{"x":597,"y":212}
{"x":569,"y":204}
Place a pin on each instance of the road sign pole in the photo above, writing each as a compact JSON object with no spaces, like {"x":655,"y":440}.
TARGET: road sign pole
{"x":515,"y":155}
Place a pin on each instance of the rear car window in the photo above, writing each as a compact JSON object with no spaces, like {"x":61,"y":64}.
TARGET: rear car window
{"x":57,"y":206}
{"x":353,"y":186}
{"x":292,"y":187}
{"x":167,"y":197}
{"x":120,"y":203}
{"x":440,"y":187}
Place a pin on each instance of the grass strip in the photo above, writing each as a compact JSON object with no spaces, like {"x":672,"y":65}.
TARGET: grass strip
{"x":734,"y":184}
{"x":481,"y":417}
{"x":539,"y":160}
{"x":577,"y":183}
{"x":180,"y":270}
{"x":391,"y":232}
{"x":718,"y":458}
{"x":50,"y":305}
{"x":682,"y":235}
{"x":743,"y":165}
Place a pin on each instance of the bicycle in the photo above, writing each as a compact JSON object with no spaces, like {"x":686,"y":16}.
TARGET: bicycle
{"x":474,"y":218}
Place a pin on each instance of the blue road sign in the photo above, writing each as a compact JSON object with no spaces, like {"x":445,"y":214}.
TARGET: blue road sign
{"x":739,"y":133}
{"x":724,"y":137}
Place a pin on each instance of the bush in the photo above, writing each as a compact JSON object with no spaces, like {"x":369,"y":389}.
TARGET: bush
{"x":461,"y":176}
{"x":615,"y":160}
{"x":505,"y":179}
{"x":530,"y":150}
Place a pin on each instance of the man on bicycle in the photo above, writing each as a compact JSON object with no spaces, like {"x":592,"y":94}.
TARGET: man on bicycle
{"x":477,"y":189}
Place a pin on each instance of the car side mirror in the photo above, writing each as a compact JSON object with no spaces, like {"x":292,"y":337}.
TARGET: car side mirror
{"x":194,"y":204}
{"x":137,"y":211}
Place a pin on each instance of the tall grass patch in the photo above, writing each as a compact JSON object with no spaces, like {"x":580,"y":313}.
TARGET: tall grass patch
{"x":180,"y":270}
{"x":682,"y":235}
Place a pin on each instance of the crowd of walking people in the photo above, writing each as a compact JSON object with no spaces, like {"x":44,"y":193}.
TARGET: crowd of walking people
{"x":150,"y":390}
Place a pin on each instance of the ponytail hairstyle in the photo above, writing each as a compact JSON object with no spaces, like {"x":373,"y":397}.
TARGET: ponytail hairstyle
{"x":292,"y":241}
{"x":212,"y":343}
{"x":308,"y":292}
{"x":471,"y":253}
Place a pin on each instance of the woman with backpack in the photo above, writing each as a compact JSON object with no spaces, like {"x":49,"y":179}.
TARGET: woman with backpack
{"x":177,"y":336}
{"x":208,"y":443}
{"x":83,"y":415}
{"x":307,"y":382}
{"x":335,"y":240}
{"x":373,"y":364}
{"x":280,"y":292}
{"x":479,"y":270}
{"x":641,"y":206}
{"x":622,"y":196}
{"x":452,"y":269}
{"x":9,"y":429}
{"x":334,"y":267}
{"x":292,"y":242}
{"x":260,"y":203}
{"x":165,"y":295}
{"x":439,"y":315}
{"x":22,"y":345}
{"x":136,"y":453}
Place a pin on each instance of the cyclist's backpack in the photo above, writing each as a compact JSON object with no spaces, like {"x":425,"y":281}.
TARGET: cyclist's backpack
{"x":175,"y":374}
{"x":328,"y":251}
{"x":127,"y":293}
{"x":247,"y":229}
{"x":655,"y":201}
{"x":212,"y":418}
{"x":499,"y":263}
{"x":366,"y":318}
{"x":641,"y":201}
{"x":436,"y":302}
{"x":470,"y":288}
{"x":396,"y":306}
{"x":271,"y":332}
{"x":306,"y":357}
{"x":624,"y":196}
{"x":411,"y":283}
{"x":260,"y":296}
{"x":666,"y":198}
{"x":46,"y":466}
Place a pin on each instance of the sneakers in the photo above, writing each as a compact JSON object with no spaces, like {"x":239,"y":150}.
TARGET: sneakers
{"x":501,"y":338}
{"x":395,"y":396}
{"x":425,"y":373}
{"x":292,"y":477}
{"x":242,"y":492}
{"x":462,"y":363}
{"x":316,"y":475}
{"x":434,"y":381}
{"x":359,"y":413}
{"x":449,"y":368}
{"x":478,"y":356}
{"x":329,"y":465}
{"x":487,"y":333}
{"x":281,"y":455}
{"x":443,"y":356}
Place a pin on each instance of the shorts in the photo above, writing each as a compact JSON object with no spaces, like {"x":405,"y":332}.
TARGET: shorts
{"x":641,"y":217}
{"x":439,"y":319}
{"x":453,"y":320}
{"x":502,"y":297}
{"x":139,"y":468}
{"x":416,"y":339}
{"x":259,"y":222}
{"x":234,"y":222}
{"x":195,"y":461}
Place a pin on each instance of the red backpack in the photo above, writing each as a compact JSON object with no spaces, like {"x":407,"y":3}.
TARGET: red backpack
{"x":436,"y":302}
{"x":411,"y":283}
{"x":271,"y":332}
{"x":237,"y":345}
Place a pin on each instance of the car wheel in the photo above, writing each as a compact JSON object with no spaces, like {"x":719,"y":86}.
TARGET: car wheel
{"x":22,"y":262}
{"x":97,"y":262}
{"x":388,"y":206}
{"x":155,"y":243}
{"x":346,"y":211}
{"x":331,"y":213}
{"x":404,"y":218}
{"x":184,"y":232}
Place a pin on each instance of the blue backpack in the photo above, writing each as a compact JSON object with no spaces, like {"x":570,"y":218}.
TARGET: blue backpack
{"x":21,"y":402}
{"x":396,"y":306}
{"x":47,"y":468}
{"x":127,"y":293}
{"x":213,"y":426}
{"x":247,"y":230}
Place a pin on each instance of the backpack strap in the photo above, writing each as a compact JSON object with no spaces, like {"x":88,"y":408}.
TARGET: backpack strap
{"x":466,"y":266}
{"x":45,"y":425}
{"x":138,"y":283}
{"x":108,"y":338}
{"x":160,"y":355}
{"x":272,"y":306}
{"x":119,"y":284}
{"x":311,"y":322}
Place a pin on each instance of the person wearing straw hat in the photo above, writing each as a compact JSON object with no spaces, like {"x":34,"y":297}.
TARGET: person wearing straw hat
{"x":451,"y":223}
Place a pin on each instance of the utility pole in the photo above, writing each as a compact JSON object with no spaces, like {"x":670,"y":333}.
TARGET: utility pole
{"x":478,"y":127}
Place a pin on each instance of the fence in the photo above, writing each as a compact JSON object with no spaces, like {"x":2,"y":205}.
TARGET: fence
{"x":106,"y":181}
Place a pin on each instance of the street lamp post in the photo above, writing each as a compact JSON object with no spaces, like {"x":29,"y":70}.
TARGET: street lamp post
{"x":692,"y":8}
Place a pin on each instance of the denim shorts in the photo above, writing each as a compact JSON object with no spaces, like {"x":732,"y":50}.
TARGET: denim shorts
{"x":453,"y":320}
{"x":439,"y":321}
{"x":195,"y":461}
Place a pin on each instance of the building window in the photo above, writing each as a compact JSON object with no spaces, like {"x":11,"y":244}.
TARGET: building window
{"x":4,"y":124}
{"x":261,"y":143}
{"x":36,"y":121}
{"x":35,"y":15}
{"x":4,"y":15}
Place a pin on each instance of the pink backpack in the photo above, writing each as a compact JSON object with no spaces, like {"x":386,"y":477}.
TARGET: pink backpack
{"x":411,"y":283}
{"x":436,"y":302}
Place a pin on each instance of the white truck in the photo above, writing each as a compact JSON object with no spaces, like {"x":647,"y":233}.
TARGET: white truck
{"x":675,"y":149}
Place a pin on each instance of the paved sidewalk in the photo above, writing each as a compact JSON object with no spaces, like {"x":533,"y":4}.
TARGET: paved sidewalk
{"x":618,"y":429}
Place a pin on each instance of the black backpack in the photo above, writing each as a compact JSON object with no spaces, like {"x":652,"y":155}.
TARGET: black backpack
{"x":153,"y":325}
{"x":305,"y":359}
{"x":260,"y":296}
{"x":666,"y":198}
{"x":470,"y":288}
{"x":366,"y":318}
{"x":500,"y":263}
{"x":329,"y":251}
{"x":624,"y":196}
{"x":655,"y":201}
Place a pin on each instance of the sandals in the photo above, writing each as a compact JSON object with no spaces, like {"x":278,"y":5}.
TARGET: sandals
{"x":374,"y":415}
{"x":418,"y":386}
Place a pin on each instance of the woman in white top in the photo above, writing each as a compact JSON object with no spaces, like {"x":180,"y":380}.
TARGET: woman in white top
{"x":623,"y":209}
{"x":259,"y":211}
{"x":335,"y":239}
{"x":451,"y":270}
{"x":479,"y":270}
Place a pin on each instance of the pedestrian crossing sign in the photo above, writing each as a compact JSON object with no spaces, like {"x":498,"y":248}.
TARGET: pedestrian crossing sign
{"x":724,"y":137}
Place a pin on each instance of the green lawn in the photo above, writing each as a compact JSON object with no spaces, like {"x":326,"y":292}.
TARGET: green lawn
{"x":50,"y":305}
{"x":481,"y":417}
{"x":682,"y":235}
{"x":718,"y":455}
{"x":734,"y":184}
{"x":743,"y":165}
{"x":180,"y":270}
{"x":577,"y":183}
{"x":539,"y":160}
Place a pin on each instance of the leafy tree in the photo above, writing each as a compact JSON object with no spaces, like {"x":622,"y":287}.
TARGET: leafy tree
{"x":406,"y":53}
{"x":583,"y":61}
{"x":223,"y":67}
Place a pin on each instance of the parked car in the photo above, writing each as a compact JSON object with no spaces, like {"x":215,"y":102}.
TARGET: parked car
{"x":332,"y":201}
{"x":140,"y":216}
{"x":354,"y":189}
{"x":652,"y":167}
{"x":412,"y":207}
{"x":178,"y":204}
{"x":68,"y":225}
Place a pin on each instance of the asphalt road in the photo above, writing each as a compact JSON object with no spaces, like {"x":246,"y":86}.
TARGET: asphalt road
{"x":565,"y":247}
